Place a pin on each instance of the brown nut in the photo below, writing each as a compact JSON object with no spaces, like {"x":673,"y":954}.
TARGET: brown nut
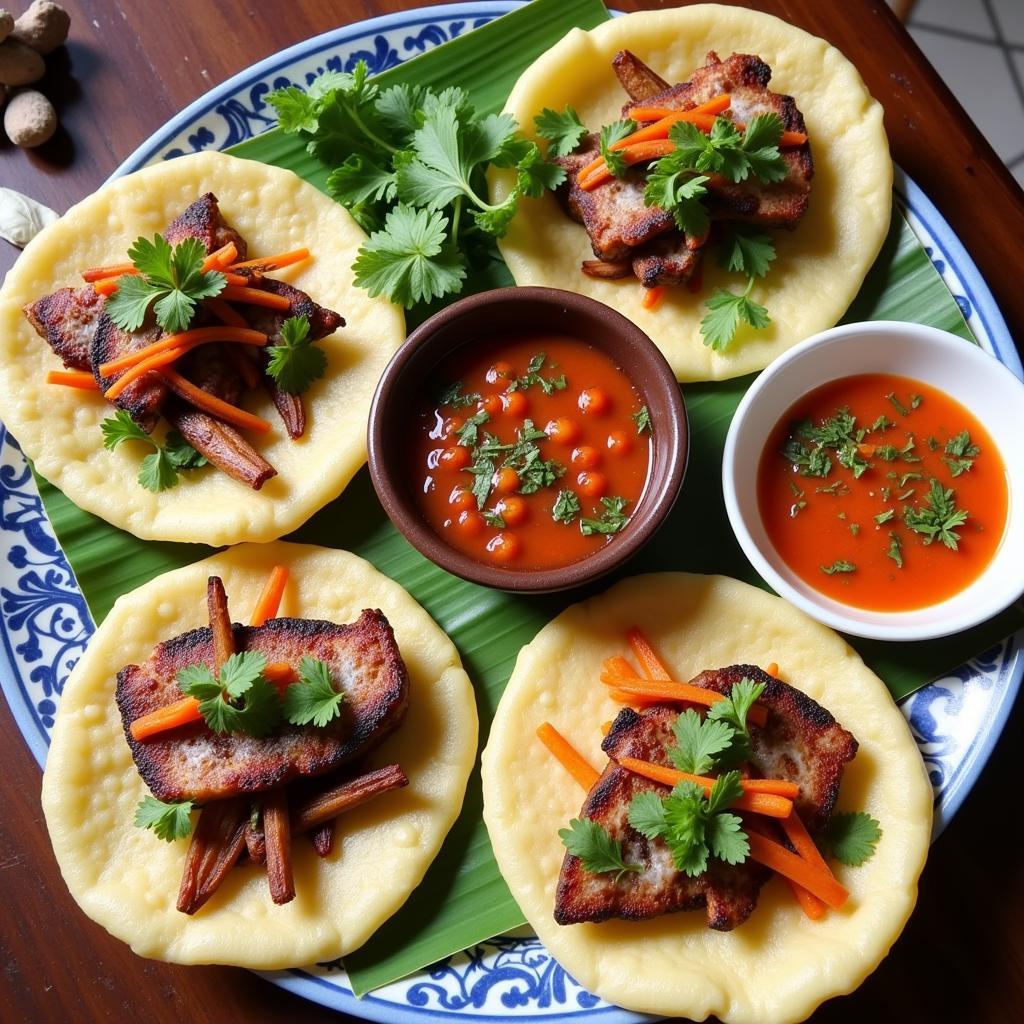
{"x":6,"y":24}
{"x":29,"y":119}
{"x":43,"y":27}
{"x":19,"y":64}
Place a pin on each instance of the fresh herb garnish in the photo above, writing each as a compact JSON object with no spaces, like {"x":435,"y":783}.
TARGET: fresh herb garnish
{"x":854,"y":528}
{"x":915,"y":400}
{"x":170,"y":821}
{"x":937,"y":518}
{"x":173,"y":279}
{"x":563,"y":130}
{"x":882,"y":423}
{"x":698,"y":741}
{"x":838,"y":566}
{"x":734,"y":154}
{"x":158,"y":471}
{"x":884,"y":517}
{"x":238,"y":698}
{"x":890,"y":453}
{"x":566,"y":507}
{"x":835,"y":490}
{"x":852,"y":837}
{"x":733,"y":711}
{"x":810,"y":461}
{"x":642,"y":419}
{"x":532,"y":378}
{"x":962,"y":452}
{"x":898,"y":405}
{"x":673,"y":187}
{"x":613,"y":518}
{"x":452,"y":396}
{"x":469,"y":432}
{"x":295,"y":363}
{"x":725,"y":312}
{"x":694,"y":827}
{"x":313,"y":698}
{"x":747,"y":251}
{"x":492,"y":518}
{"x":595,"y":848}
{"x":610,"y":134}
{"x":895,"y":551}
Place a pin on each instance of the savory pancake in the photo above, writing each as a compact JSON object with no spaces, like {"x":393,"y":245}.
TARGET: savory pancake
{"x":59,"y":427}
{"x":127,"y":879}
{"x":778,"y":965}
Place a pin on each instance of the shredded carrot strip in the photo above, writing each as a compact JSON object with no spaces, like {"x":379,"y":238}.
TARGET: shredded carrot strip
{"x":568,"y":756}
{"x":652,"y":297}
{"x":213,"y":405}
{"x":620,"y":667}
{"x":644,"y":653}
{"x":114,"y":270}
{"x":792,"y":139}
{"x":814,"y":908}
{"x":797,"y":834}
{"x":184,"y":339}
{"x":228,"y":314}
{"x":220,"y":258}
{"x":140,"y":369}
{"x":715,"y":105}
{"x":181,"y":712}
{"x":769,"y":804}
{"x":255,"y":297}
{"x":80,"y":379}
{"x":270,"y":600}
{"x":661,"y":690}
{"x":773,"y":669}
{"x":107,"y":285}
{"x":822,"y":884}
{"x":606,"y":727}
{"x":704,"y":114}
{"x":280,"y":673}
{"x":284,"y":259}
{"x":638,"y":153}
{"x":634,"y":699}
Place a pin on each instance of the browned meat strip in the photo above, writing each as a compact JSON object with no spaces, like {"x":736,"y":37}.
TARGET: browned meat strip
{"x":745,"y":77}
{"x":322,"y":321}
{"x":801,"y":742}
{"x":66,"y":321}
{"x":666,"y":260}
{"x":639,"y":81}
{"x":194,"y":763}
{"x":607,"y":270}
{"x":143,"y":398}
{"x":203,"y":220}
{"x":614,"y":214}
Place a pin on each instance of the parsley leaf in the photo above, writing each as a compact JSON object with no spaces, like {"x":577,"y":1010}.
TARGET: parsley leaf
{"x":295,"y":363}
{"x":884,"y":517}
{"x":733,"y":712}
{"x":897,"y":404}
{"x":174,"y":278}
{"x":563,"y":130}
{"x":725,"y":312}
{"x":469,"y":431}
{"x":598,"y":852}
{"x":761,"y":148}
{"x":566,"y":507}
{"x":158,"y":471}
{"x":698,"y":741}
{"x":169,"y":821}
{"x":838,"y":566}
{"x":313,"y":698}
{"x":451,"y":396}
{"x":747,"y":251}
{"x":613,"y":518}
{"x":532,"y":378}
{"x":673,"y":187}
{"x":852,"y":837}
{"x":964,"y":452}
{"x":610,"y":134}
{"x":642,"y":419}
{"x":895,"y":551}
{"x":239,"y":699}
{"x":811,"y":461}
{"x":937,"y":518}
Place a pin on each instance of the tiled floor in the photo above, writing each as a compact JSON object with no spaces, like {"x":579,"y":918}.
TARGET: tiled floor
{"x":978,"y":48}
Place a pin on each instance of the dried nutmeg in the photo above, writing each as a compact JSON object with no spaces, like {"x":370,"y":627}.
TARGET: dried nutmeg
{"x":43,"y":27}
{"x":19,"y":64}
{"x":29,"y":119}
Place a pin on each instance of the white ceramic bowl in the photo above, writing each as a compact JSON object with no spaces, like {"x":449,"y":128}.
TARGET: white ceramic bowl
{"x":962,"y":370}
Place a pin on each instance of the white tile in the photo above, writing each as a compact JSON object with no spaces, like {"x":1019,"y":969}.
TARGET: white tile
{"x":979,"y":78}
{"x":1010,"y":16}
{"x":967,"y":16}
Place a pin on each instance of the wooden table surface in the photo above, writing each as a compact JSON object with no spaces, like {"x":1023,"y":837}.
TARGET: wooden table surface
{"x":126,"y":69}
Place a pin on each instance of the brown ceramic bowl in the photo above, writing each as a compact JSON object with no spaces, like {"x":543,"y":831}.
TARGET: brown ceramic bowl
{"x":503,"y":311}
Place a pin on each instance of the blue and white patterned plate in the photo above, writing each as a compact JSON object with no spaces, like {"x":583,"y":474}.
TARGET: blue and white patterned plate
{"x":45,"y":624}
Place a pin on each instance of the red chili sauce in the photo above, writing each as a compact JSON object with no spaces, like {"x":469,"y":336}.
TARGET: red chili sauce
{"x":871,"y":511}
{"x":531,"y":452}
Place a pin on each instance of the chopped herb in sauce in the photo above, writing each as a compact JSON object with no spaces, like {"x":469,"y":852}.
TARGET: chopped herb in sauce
{"x":838,"y":566}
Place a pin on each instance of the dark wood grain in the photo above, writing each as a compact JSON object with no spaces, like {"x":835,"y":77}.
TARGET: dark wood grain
{"x":128,"y":68}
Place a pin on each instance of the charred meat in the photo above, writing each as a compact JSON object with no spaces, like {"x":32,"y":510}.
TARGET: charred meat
{"x":66,"y":321}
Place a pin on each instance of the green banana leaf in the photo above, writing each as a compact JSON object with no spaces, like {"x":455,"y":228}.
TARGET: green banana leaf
{"x":463,"y":899}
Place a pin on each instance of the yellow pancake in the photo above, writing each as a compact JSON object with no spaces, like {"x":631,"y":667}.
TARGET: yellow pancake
{"x":779,"y":965}
{"x":820,"y":265}
{"x":59,"y":427}
{"x":126,"y":879}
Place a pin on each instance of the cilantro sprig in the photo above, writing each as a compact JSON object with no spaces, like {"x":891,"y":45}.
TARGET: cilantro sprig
{"x":562,"y":130}
{"x":596,"y":849}
{"x":613,"y":518}
{"x":726,"y":310}
{"x":295,"y":363}
{"x":238,"y":698}
{"x":158,"y":471}
{"x":533,"y":378}
{"x":610,"y":134}
{"x":170,"y":280}
{"x":852,"y":837}
{"x":937,"y":517}
{"x":169,"y":821}
{"x":313,"y":698}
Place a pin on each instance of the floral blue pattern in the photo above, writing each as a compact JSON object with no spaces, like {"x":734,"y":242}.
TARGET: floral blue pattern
{"x":45,"y":624}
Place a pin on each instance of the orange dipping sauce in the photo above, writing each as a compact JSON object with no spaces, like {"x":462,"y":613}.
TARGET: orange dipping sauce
{"x":867,"y":528}
{"x":531,"y":452}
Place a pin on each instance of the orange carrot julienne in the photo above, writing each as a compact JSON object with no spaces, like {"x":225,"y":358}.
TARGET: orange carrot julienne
{"x":797,"y":834}
{"x":279,"y":673}
{"x":652,"y":297}
{"x":114,"y":270}
{"x":141,"y":368}
{"x":184,"y":339}
{"x":715,"y":105}
{"x":606,"y":727}
{"x":822,"y":884}
{"x":181,"y":712}
{"x":255,"y":297}
{"x":214,"y":406}
{"x":619,"y":666}
{"x":654,"y":690}
{"x":769,"y":804}
{"x":284,"y":259}
{"x":637,"y":699}
{"x":220,"y":258}
{"x":814,"y":908}
{"x":107,"y":285}
{"x":792,"y":139}
{"x":701,"y":116}
{"x":270,"y":599}
{"x":644,"y":653}
{"x":228,"y":314}
{"x":773,"y":669}
{"x":81,"y":379}
{"x":638,"y":153}
{"x":567,"y":755}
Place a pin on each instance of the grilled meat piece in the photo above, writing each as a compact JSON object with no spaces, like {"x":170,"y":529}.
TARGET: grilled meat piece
{"x":667,"y":260}
{"x":614,"y":215}
{"x":605,"y":270}
{"x":322,"y":321}
{"x":639,"y":81}
{"x":66,"y":321}
{"x":143,"y":398}
{"x":745,"y":78}
{"x":203,"y":220}
{"x":193,"y":763}
{"x":801,"y":742}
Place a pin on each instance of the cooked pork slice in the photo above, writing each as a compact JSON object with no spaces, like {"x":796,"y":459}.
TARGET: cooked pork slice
{"x":66,"y":320}
{"x":801,"y":742}
{"x":210,"y":367}
{"x":666,"y":260}
{"x":613,"y":214}
{"x":193,"y":763}
{"x":639,"y":81}
{"x":322,"y":321}
{"x":745,"y":78}
{"x":143,"y":399}
{"x":203,"y":220}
